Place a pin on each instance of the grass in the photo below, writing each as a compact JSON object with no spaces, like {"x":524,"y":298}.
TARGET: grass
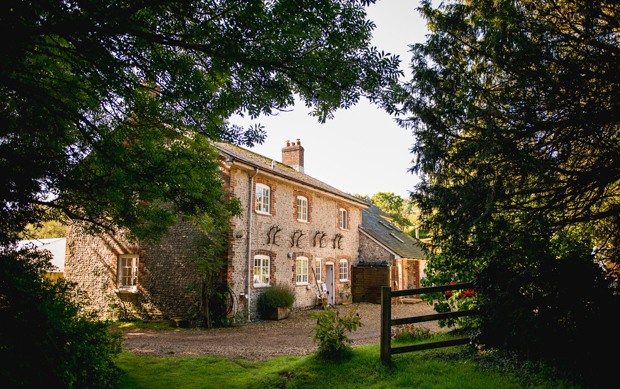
{"x":455,"y":367}
{"x":144,"y":325}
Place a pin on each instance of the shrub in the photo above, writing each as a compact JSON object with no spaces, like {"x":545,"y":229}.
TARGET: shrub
{"x":330,"y":332}
{"x":44,"y":337}
{"x":279,"y":295}
{"x":557,"y":310}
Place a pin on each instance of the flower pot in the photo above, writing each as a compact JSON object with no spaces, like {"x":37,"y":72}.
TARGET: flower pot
{"x":277,"y":313}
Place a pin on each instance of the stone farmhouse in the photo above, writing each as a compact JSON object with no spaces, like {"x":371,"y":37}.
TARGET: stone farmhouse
{"x":294,"y":230}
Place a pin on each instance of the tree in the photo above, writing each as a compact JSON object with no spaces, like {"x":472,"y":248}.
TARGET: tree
{"x":515,"y":109}
{"x":515,"y":112}
{"x":107,"y":107}
{"x":399,"y":209}
{"x":47,"y":230}
{"x":209,"y":259}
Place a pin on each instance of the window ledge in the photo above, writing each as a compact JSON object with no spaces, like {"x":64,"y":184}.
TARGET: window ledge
{"x":302,"y":283}
{"x":263,"y":213}
{"x":257,"y":286}
{"x":302,"y":221}
{"x":132,"y":290}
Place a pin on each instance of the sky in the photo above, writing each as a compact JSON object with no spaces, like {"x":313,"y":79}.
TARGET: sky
{"x":362,"y":150}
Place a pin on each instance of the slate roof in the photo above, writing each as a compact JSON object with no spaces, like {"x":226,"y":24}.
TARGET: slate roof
{"x":277,"y":168}
{"x":376,"y":224}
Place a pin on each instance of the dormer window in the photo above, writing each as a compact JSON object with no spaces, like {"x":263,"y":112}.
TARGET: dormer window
{"x":344,"y":219}
{"x":263,"y":199}
{"x":302,"y":209}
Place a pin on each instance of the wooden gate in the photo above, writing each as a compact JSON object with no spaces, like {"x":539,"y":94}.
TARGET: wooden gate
{"x":366,"y":283}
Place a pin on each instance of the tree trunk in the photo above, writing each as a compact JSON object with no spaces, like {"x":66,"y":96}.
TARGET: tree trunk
{"x":205,"y":304}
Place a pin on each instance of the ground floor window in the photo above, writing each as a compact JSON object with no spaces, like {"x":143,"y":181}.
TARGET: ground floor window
{"x":302,"y":270}
{"x":127,"y":271}
{"x":344,"y":270}
{"x":261,"y":270}
{"x":319,"y":270}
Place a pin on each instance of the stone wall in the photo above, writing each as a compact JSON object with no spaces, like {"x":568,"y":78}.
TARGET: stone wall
{"x":165,"y":275}
{"x":371,"y":251}
{"x":286,"y":238}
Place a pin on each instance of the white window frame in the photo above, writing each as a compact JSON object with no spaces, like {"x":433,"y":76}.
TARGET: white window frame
{"x":318,"y":270}
{"x":301,"y":277}
{"x":344,"y":218}
{"x":128,"y":271}
{"x":302,"y":209}
{"x":262,"y":199}
{"x":262,"y":271}
{"x":346,"y":270}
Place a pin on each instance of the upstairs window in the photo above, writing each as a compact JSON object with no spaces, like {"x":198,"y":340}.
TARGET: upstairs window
{"x":127,"y":271}
{"x":302,"y":209}
{"x":302,"y":270}
{"x":263,"y":199}
{"x":344,"y":219}
{"x":261,"y":270}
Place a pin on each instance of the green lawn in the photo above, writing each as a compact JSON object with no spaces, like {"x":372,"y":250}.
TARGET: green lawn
{"x":455,"y":367}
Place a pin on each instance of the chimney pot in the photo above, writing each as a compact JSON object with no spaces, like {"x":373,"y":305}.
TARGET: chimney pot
{"x":298,"y":142}
{"x":288,"y":143}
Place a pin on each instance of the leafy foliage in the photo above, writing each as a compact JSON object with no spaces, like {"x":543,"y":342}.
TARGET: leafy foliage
{"x":438,"y":273}
{"x":330,"y":332}
{"x":108,"y":107}
{"x":44,"y":337}
{"x":278,"y":295}
{"x":210,"y":258}
{"x":547,"y":299}
{"x":45,"y":230}
{"x":516,"y":118}
{"x":514,"y":106}
{"x":399,"y":209}
{"x":403,"y":211}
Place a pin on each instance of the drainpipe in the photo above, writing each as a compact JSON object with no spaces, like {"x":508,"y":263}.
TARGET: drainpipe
{"x":250,"y":202}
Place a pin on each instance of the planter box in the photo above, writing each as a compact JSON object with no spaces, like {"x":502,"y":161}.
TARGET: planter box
{"x":279,"y":313}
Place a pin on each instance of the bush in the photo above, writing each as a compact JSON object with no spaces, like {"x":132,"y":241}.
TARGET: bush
{"x":44,"y":338}
{"x":558,"y":309}
{"x":329,"y":332}
{"x":278,"y":295}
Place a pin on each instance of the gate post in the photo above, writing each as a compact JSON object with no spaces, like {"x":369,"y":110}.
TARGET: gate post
{"x":386,"y":323}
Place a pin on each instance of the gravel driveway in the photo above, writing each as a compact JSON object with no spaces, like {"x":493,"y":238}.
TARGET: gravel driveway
{"x":264,"y":339}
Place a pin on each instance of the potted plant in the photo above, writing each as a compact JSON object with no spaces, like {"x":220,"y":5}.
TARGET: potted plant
{"x":276,"y":301}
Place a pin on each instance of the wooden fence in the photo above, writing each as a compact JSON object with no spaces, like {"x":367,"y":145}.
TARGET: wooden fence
{"x":387,"y":322}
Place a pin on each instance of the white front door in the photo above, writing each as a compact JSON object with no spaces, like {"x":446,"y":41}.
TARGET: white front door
{"x":329,"y":280}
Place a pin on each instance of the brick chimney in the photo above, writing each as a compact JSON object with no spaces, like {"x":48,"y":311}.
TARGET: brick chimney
{"x":293,"y":155}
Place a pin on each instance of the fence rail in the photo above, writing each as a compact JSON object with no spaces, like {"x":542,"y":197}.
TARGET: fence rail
{"x":387,"y":322}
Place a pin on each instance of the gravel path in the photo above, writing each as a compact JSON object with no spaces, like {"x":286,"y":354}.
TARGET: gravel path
{"x":265,"y":339}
